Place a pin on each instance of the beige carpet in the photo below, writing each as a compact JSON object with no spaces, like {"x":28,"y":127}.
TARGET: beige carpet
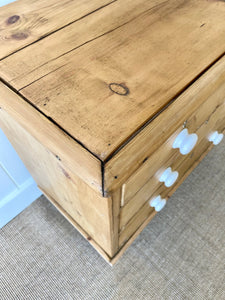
{"x":180,"y":255}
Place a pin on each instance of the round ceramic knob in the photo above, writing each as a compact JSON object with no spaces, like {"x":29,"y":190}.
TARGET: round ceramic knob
{"x":185,"y":142}
{"x":169,"y":177}
{"x":215,"y":137}
{"x":158,"y":203}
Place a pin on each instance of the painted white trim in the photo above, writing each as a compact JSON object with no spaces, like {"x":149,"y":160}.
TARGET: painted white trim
{"x":17,"y":187}
{"x":9,"y":175}
{"x":17,"y":201}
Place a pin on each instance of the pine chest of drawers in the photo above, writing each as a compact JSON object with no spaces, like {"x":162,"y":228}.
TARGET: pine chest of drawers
{"x":111,"y":104}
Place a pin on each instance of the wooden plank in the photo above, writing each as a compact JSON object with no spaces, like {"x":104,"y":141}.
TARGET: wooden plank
{"x":80,"y":229}
{"x":90,"y":210}
{"x":138,"y":200}
{"x":72,"y":155}
{"x":19,"y":72}
{"x":77,"y":87}
{"x":130,"y":241}
{"x":115,"y":220}
{"x":26,"y":21}
{"x":157,"y":162}
{"x":146,"y":212}
{"x":134,"y":153}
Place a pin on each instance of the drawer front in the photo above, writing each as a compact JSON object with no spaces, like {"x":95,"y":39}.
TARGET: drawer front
{"x":207,"y":119}
{"x":140,"y":147}
{"x":165,"y":154}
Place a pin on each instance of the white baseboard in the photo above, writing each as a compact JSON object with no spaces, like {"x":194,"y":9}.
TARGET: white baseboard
{"x":17,"y":201}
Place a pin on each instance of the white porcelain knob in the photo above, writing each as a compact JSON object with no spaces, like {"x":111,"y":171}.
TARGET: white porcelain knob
{"x":158,"y":203}
{"x":169,"y":177}
{"x":185,"y":141}
{"x":215,"y":137}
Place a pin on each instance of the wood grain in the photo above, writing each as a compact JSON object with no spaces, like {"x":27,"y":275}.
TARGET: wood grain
{"x":129,"y":241}
{"x":182,"y":164}
{"x":26,"y":21}
{"x":165,"y":154}
{"x":72,"y":155}
{"x":80,"y":229}
{"x":99,"y":87}
{"x":22,"y":72}
{"x":142,"y":146}
{"x":139,"y":56}
{"x":115,"y":220}
{"x":215,"y":121}
{"x":90,"y":210}
{"x":144,"y":213}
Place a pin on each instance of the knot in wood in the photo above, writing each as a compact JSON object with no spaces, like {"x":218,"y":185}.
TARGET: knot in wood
{"x":13,"y":19}
{"x":119,"y":89}
{"x":19,"y":36}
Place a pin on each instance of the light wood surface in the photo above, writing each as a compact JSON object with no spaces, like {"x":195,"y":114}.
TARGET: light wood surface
{"x":115,"y":220}
{"x":90,"y":210}
{"x":77,"y":226}
{"x":211,"y":109}
{"x":182,"y":164}
{"x":93,"y":93}
{"x":25,"y":21}
{"x":22,"y":72}
{"x":145,"y":214}
{"x":142,"y":146}
{"x":128,"y":236}
{"x":72,"y":155}
{"x":139,"y":55}
{"x":131,"y":239}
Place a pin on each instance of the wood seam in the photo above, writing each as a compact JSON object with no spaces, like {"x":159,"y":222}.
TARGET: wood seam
{"x":49,"y":118}
{"x":89,"y":41}
{"x":163,"y":109}
{"x":54,"y":31}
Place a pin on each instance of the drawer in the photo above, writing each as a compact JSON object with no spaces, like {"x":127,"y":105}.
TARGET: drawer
{"x":165,"y":154}
{"x":136,"y":209}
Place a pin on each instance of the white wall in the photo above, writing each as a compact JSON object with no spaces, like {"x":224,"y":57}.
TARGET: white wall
{"x":4,"y":2}
{"x":17,"y":187}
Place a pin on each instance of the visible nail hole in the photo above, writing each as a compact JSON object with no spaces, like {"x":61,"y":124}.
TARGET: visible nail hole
{"x":109,"y":144}
{"x":89,"y":238}
{"x":45,"y":104}
{"x":202,"y":25}
{"x":115,"y":177}
{"x":58,"y":157}
{"x":13,"y":19}
{"x":119,"y":89}
{"x":19,"y":36}
{"x":146,"y":158}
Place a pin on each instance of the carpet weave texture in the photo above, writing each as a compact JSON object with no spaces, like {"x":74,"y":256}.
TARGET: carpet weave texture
{"x":179,"y":255}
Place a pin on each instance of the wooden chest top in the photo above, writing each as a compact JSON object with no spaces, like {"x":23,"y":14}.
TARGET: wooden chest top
{"x":101,"y":70}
